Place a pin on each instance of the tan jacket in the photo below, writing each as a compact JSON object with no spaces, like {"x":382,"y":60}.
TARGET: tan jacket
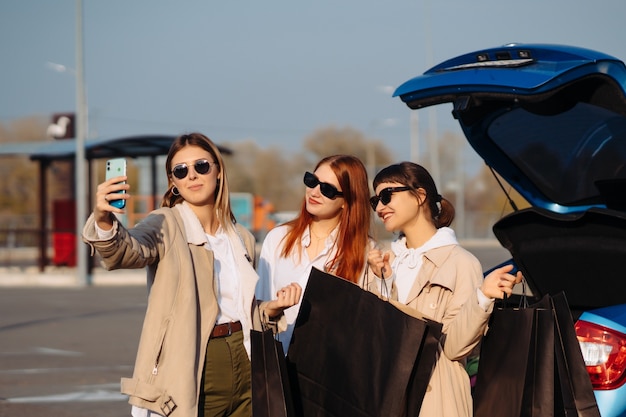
{"x":182,"y":305}
{"x":445,"y":291}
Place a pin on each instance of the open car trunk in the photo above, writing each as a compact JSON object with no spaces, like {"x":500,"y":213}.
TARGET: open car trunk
{"x":551,"y":121}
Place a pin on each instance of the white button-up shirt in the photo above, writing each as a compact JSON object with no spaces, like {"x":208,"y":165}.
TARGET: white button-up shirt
{"x":225,"y":271}
{"x":276,"y":272}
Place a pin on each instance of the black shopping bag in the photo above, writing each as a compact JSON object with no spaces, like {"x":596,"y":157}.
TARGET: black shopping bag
{"x":423,"y":368}
{"x":576,"y":392}
{"x":353,"y":354}
{"x":516,"y":373}
{"x":502,"y":354}
{"x":271,"y":391}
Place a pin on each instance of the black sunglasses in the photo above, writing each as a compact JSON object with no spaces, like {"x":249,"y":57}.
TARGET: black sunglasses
{"x":201,"y":166}
{"x":385,"y":196}
{"x":327,"y":190}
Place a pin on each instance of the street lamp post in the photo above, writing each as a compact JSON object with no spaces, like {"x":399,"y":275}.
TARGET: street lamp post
{"x":370,"y":144}
{"x":82,"y":271}
{"x":414,"y":133}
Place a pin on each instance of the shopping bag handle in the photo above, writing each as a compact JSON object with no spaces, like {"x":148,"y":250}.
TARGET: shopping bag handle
{"x":264,"y":326}
{"x":523,"y":301}
{"x":383,"y":284}
{"x":384,"y":290}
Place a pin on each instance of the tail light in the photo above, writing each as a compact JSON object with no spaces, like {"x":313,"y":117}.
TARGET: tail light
{"x":604,"y":351}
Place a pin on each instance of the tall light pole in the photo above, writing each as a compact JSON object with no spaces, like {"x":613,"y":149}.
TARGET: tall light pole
{"x":80,"y":172}
{"x":460,"y":190}
{"x":414,"y":133}
{"x":370,"y":150}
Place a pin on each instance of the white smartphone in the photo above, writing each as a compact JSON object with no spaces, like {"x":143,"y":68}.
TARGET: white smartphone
{"x":116,"y":167}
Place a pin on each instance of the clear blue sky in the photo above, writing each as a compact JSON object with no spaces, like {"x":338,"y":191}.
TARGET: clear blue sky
{"x":269,"y":71}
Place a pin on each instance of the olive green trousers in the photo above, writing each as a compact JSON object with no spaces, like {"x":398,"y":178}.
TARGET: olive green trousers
{"x":226,"y":384}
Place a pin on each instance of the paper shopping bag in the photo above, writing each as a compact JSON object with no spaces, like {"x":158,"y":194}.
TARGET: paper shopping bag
{"x":576,"y":392}
{"x":353,"y":354}
{"x":271,"y":391}
{"x":516,"y":373}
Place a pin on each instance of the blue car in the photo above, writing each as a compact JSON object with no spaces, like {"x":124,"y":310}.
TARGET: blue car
{"x":551,"y":121}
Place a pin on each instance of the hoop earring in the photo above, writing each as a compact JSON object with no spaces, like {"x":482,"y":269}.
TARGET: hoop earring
{"x":175,"y":191}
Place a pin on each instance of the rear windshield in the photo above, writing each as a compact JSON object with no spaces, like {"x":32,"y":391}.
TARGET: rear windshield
{"x":564,"y":154}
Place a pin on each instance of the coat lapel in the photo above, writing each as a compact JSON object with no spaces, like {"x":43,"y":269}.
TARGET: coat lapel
{"x":427,"y":275}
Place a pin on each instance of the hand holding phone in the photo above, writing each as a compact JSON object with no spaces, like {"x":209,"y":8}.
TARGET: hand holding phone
{"x":115,"y":168}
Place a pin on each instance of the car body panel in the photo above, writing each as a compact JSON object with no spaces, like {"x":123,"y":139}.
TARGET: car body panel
{"x":529,"y":69}
{"x":613,"y":317}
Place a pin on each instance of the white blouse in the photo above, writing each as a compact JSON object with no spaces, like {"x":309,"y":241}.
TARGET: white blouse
{"x":225,"y":271}
{"x":276,"y":272}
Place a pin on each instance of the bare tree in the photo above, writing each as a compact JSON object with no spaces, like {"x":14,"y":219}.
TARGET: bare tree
{"x":332,"y":140}
{"x":277,"y":176}
{"x":487,"y":202}
{"x":269,"y":173}
{"x":450,"y":146}
{"x":18,"y":192}
{"x":24,"y":130}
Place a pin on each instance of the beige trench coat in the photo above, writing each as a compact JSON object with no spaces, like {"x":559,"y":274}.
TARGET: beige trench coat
{"x":445,"y":291}
{"x":182,"y":305}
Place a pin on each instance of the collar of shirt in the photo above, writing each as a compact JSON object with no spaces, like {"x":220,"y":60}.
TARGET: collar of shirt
{"x":411,"y":256}
{"x":193,"y":228}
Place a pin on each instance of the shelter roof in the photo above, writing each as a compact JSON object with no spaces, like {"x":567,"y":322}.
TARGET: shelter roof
{"x":130,"y":146}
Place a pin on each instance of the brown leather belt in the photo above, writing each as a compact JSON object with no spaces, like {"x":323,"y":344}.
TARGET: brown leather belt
{"x":225,"y":329}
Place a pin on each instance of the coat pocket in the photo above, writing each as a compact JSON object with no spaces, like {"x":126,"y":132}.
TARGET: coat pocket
{"x":159,"y":347}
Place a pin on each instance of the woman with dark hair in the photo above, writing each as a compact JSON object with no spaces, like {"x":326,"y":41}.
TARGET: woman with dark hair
{"x":193,"y":355}
{"x":329,"y":233}
{"x":427,"y":270}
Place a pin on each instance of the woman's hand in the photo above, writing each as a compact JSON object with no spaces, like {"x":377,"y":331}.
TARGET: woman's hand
{"x":104,"y":193}
{"x":379,"y":262}
{"x":500,"y":282}
{"x":285,"y":297}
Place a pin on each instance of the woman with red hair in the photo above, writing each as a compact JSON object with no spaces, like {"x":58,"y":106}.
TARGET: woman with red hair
{"x":330,"y":233}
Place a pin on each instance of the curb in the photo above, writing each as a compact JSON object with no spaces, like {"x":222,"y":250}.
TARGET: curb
{"x":67,"y":277}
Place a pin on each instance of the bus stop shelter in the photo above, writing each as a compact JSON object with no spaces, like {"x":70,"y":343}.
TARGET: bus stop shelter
{"x":46,"y":152}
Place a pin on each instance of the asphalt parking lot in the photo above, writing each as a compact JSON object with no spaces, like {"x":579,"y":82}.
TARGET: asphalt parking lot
{"x":63,"y":349}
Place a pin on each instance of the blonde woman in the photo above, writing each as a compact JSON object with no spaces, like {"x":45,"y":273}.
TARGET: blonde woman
{"x":193,"y":355}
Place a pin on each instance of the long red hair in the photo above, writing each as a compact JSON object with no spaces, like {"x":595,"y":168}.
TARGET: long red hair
{"x":354,"y":223}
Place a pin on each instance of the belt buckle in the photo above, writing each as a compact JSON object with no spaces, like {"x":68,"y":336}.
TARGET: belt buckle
{"x":230,"y":329}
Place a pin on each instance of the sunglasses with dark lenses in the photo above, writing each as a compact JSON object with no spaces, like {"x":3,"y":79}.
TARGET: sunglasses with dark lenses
{"x":201,"y":166}
{"x":327,"y":190}
{"x":385,"y":196}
